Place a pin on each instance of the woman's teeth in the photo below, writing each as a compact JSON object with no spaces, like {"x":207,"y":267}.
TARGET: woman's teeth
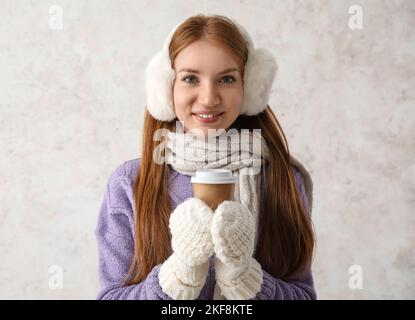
{"x":205,"y":116}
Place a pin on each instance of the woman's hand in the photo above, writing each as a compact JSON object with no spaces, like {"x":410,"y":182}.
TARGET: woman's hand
{"x":184,"y":273}
{"x":238,"y":274}
{"x":190,"y":226}
{"x":233,"y":232}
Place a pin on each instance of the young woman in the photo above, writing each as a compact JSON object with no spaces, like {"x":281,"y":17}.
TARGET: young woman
{"x":155,"y":239}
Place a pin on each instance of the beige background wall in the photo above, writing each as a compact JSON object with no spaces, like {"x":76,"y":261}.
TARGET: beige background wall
{"x":71,"y":106}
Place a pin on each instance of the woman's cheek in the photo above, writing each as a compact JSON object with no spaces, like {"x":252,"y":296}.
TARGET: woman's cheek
{"x":180,"y":104}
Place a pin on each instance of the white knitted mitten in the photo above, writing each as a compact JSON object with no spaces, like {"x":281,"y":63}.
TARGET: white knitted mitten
{"x":183,"y":275}
{"x":238,"y":274}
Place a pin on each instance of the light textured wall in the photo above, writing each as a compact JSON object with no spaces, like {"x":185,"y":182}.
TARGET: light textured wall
{"x":71,"y":106}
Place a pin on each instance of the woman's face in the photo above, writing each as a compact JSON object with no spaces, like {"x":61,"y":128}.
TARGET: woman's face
{"x":208,"y":80}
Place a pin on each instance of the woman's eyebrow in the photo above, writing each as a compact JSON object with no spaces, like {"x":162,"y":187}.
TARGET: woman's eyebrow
{"x":196,"y":71}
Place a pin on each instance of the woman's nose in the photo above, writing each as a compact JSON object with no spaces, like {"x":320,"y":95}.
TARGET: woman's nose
{"x":208,"y":95}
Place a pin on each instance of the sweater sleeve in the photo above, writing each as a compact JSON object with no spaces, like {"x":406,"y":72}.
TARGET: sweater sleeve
{"x":115,"y":248}
{"x":302,"y":287}
{"x":277,"y":289}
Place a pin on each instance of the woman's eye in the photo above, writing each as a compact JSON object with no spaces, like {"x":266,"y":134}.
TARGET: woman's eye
{"x":186,"y":78}
{"x":228,"y":79}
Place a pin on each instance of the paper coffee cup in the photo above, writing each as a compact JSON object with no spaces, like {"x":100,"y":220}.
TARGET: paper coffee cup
{"x":213,"y":186}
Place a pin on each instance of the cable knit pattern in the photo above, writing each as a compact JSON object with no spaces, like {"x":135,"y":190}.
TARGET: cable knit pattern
{"x":182,"y":282}
{"x":115,"y":234}
{"x":239,"y":282}
{"x":184,"y":273}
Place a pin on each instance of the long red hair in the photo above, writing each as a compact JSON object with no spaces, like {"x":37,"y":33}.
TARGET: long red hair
{"x":287,"y":240}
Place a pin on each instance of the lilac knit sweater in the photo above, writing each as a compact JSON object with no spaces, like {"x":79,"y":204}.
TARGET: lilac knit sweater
{"x":115,"y":234}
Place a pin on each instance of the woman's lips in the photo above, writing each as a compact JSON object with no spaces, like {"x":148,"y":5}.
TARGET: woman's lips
{"x":208,"y":120}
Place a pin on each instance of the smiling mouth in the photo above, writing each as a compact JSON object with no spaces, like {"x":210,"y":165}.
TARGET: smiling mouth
{"x":207,"y":116}
{"x":207,"y":119}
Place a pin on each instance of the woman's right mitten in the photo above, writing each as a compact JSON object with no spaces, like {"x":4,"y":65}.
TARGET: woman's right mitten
{"x":183,"y":275}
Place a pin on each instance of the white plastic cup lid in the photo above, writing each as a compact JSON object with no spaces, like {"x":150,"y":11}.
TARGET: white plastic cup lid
{"x":213,"y":176}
